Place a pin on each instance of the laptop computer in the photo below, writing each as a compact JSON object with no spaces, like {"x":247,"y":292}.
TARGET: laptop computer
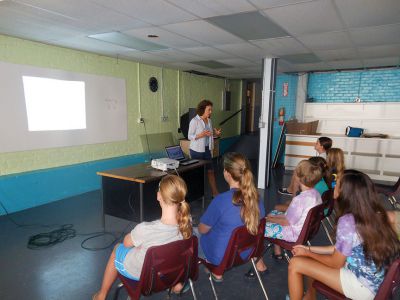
{"x":175,"y":152}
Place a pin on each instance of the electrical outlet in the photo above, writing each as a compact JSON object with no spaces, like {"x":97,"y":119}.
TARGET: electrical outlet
{"x":140,"y":120}
{"x":164,"y":118}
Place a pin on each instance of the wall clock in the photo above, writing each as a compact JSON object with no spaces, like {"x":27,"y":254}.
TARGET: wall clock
{"x":153,"y":84}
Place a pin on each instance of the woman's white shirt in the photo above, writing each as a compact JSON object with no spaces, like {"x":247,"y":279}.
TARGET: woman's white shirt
{"x":197,"y":126}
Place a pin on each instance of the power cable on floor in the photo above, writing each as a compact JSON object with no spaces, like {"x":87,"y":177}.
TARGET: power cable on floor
{"x":65,"y":232}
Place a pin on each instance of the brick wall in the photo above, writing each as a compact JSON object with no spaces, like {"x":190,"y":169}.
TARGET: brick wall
{"x":369,"y":85}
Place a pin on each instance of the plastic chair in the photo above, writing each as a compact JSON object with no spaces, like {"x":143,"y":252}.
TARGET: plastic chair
{"x":164,"y":266}
{"x":386,"y":290}
{"x":328,"y":201}
{"x":309,"y":230}
{"x":241,"y":240}
{"x":391,"y":192}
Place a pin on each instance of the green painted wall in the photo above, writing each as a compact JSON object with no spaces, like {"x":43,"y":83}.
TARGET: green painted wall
{"x":181,"y":91}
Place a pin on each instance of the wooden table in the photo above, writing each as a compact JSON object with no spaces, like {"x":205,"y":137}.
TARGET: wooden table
{"x":131,"y":192}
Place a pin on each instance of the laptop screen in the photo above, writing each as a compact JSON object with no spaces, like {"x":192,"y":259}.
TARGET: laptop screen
{"x":175,"y":152}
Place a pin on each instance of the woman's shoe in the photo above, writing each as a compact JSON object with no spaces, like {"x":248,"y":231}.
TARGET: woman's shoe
{"x":251,"y":274}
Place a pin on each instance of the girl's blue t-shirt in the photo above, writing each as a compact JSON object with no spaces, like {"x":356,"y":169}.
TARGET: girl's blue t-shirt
{"x":223,"y":217}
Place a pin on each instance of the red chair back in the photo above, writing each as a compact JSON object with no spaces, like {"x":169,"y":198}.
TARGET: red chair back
{"x":241,"y":241}
{"x":311,"y":224}
{"x":164,"y":266}
{"x":389,"y":190}
{"x":390,"y":283}
{"x":385,"y":292}
{"x":328,"y":201}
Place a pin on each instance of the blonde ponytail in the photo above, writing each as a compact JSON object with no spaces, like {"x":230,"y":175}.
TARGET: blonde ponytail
{"x":184,"y":219}
{"x":173,"y":190}
{"x":246,"y":196}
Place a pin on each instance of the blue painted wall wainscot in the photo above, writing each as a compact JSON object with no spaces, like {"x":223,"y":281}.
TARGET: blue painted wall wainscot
{"x":288,"y":102}
{"x":30,"y":189}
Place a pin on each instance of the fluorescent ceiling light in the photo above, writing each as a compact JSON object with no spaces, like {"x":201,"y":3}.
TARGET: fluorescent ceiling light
{"x":127,"y":41}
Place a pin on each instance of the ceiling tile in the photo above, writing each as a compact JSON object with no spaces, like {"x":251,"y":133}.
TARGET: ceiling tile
{"x":238,"y":62}
{"x":203,"y":32}
{"x":363,"y":13}
{"x":212,"y":64}
{"x":92,"y":45}
{"x":263,"y":4}
{"x":284,"y":66}
{"x":326,"y":41}
{"x":382,"y":62}
{"x":281,"y":46}
{"x":36,"y":24}
{"x":175,"y":55}
{"x":208,"y":52}
{"x":83,"y":13}
{"x":338,"y":54}
{"x":306,"y":18}
{"x":375,"y":36}
{"x":212,"y":8}
{"x":143,"y":57}
{"x":380,"y":51}
{"x":313,"y":67}
{"x":155,"y":12}
{"x":165,"y":37}
{"x":127,"y":41}
{"x":305,"y":58}
{"x":237,"y":71}
{"x":249,"y":26}
{"x":345,"y":64}
{"x":244,"y":50}
{"x":183,"y":66}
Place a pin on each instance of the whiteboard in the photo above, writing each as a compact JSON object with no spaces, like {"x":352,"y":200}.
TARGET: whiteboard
{"x":106,"y":112}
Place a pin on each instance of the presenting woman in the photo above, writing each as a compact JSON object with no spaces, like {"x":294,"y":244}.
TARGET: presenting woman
{"x":201,"y":135}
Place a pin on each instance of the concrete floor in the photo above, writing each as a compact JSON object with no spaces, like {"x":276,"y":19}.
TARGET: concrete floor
{"x":67,"y":271}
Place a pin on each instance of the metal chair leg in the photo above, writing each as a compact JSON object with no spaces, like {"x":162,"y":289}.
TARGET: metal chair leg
{"x":212,"y":286}
{"x":330,"y":222}
{"x":192,"y":288}
{"x":119,"y":287}
{"x":259,"y":278}
{"x":393,"y":202}
{"x":262,"y":255}
{"x":286,"y":255}
{"x":327,"y":232}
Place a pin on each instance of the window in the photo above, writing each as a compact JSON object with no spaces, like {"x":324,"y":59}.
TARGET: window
{"x":53,"y":104}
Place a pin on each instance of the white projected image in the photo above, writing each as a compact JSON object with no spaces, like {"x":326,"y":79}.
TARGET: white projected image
{"x":53,"y":104}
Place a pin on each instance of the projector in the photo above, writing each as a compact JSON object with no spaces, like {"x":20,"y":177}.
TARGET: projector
{"x":164,"y":164}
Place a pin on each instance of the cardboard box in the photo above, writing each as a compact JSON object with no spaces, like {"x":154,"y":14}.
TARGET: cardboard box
{"x":295,"y":127}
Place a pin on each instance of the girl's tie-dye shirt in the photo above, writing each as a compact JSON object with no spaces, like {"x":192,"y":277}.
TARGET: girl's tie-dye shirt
{"x":349,"y":243}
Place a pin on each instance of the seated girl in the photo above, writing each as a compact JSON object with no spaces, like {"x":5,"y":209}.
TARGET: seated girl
{"x":239,"y":206}
{"x":175,"y":224}
{"x":322,"y":146}
{"x":288,"y":226}
{"x":336,"y":164}
{"x":321,"y":186}
{"x":365,"y":245}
